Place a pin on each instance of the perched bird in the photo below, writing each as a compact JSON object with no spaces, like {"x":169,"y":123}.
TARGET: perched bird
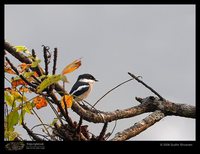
{"x":83,"y":86}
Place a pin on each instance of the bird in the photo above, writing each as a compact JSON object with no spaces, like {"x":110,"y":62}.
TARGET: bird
{"x":82,"y":87}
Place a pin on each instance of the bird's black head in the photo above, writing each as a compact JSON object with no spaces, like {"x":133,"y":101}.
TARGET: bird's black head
{"x":86,"y":76}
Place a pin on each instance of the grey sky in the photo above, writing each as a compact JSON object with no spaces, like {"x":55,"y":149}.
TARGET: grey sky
{"x":156,"y":42}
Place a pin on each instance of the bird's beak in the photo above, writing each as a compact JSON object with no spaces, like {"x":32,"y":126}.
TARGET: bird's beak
{"x":96,"y":80}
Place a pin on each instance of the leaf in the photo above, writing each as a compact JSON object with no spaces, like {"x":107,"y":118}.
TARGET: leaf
{"x":51,"y":79}
{"x":24,"y":66}
{"x":28,"y":74}
{"x":27,"y":107}
{"x":71,"y":67}
{"x":9,"y":99}
{"x":17,"y":82}
{"x":68,"y":100}
{"x":40,"y":102}
{"x":24,"y":90}
{"x":12,"y":119}
{"x":9,"y":70}
{"x":35,"y":74}
{"x":11,"y":135}
{"x":42,"y":77}
{"x":35,"y":63}
{"x":17,"y":96}
{"x":22,"y":49}
{"x":54,"y":121}
{"x":22,"y":115}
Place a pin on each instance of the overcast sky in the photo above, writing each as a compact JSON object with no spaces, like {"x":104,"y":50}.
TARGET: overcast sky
{"x":156,"y":42}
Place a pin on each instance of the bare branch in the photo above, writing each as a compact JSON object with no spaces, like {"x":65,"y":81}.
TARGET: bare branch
{"x":46,"y":58}
{"x":138,"y":127}
{"x":9,"y":48}
{"x":102,"y":117}
{"x":35,"y":137}
{"x":78,"y":130}
{"x":54,"y":60}
{"x":170,"y":108}
{"x":156,"y":93}
{"x":103,"y":131}
{"x":111,"y":90}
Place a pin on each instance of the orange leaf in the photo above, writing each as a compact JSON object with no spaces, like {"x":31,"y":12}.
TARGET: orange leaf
{"x":24,"y":66}
{"x":9,"y":70}
{"x":40,"y":102}
{"x":24,"y":89}
{"x":18,"y":82}
{"x":71,"y":67}
{"x":68,"y":100}
{"x":35,"y":74}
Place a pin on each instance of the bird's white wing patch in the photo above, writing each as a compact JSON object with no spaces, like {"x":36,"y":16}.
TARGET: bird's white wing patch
{"x":80,"y":88}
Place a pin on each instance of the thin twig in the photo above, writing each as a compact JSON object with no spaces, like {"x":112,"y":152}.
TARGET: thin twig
{"x":109,"y":134}
{"x":21,"y":114}
{"x":44,"y":136}
{"x":54,"y":110}
{"x":111,"y":90}
{"x":36,"y":79}
{"x":42,"y":123}
{"x":54,"y":61}
{"x":35,"y":137}
{"x":78,"y":130}
{"x":136,"y":78}
{"x":17,"y":72}
{"x":103,"y":131}
{"x":33,"y":53}
{"x":46,"y":61}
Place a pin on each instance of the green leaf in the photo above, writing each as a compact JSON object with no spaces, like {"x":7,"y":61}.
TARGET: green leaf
{"x":21,"y":117}
{"x":51,"y":79}
{"x":42,"y":77}
{"x":28,"y":107}
{"x":22,"y":49}
{"x":54,"y":121}
{"x":35,"y":63}
{"x":18,"y":97}
{"x":12,"y":119}
{"x":11,"y":135}
{"x":9,"y":99}
{"x":28,"y":74}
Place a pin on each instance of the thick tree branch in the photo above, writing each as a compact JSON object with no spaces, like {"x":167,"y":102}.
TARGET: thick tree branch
{"x":102,"y":117}
{"x":139,"y":126}
{"x":17,"y":55}
{"x":170,"y":108}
